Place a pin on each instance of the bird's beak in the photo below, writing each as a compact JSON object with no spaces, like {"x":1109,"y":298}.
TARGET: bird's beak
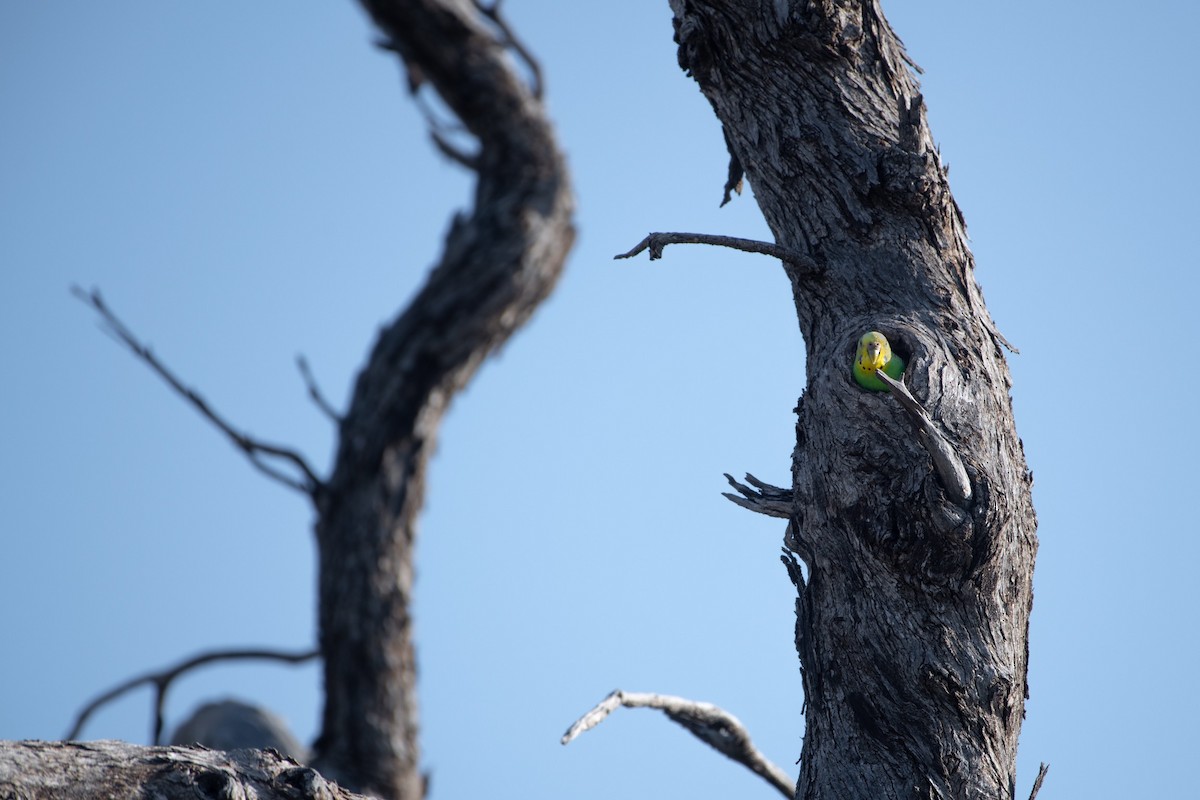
{"x":873,"y":352}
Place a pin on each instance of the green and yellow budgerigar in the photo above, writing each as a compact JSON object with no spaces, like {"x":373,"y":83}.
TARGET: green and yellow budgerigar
{"x":874,"y":353}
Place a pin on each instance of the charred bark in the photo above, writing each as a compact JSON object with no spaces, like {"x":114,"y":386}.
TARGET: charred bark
{"x":913,"y":607}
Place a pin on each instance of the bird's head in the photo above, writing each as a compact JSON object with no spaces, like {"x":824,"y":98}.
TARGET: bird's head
{"x":874,"y":351}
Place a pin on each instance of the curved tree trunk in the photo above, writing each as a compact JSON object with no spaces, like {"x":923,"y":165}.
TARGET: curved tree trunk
{"x":500,"y":261}
{"x":913,"y":611}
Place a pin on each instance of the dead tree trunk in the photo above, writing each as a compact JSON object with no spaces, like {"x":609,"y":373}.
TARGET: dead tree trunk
{"x":913,"y":607}
{"x":501,"y":259}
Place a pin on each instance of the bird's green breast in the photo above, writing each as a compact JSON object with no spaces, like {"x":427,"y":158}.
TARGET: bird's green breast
{"x":867,"y":379}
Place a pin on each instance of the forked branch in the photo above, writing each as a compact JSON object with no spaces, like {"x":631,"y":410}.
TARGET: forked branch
{"x":1037,"y":783}
{"x":161,"y":681}
{"x":712,"y":725}
{"x":760,"y":497}
{"x":257,"y":451}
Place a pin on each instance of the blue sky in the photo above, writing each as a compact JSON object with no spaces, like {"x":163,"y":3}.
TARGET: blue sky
{"x":246,"y":182}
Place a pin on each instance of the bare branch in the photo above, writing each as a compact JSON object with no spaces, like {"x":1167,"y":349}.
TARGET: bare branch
{"x":655,"y":243}
{"x":763,"y":498}
{"x":511,"y":41}
{"x":254,"y":449}
{"x":945,"y":460}
{"x":1037,"y":783}
{"x":441,"y":131}
{"x":448,"y":149}
{"x":162,"y":679}
{"x":314,"y":391}
{"x":712,"y":725}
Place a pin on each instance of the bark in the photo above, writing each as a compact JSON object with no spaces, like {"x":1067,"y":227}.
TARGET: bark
{"x":501,"y":259}
{"x":102,"y":770}
{"x":913,"y":606}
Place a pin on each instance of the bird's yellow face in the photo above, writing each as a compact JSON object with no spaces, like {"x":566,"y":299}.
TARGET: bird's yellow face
{"x":873,"y":351}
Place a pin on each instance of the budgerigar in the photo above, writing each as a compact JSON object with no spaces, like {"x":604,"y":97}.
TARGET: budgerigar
{"x":874,"y":353}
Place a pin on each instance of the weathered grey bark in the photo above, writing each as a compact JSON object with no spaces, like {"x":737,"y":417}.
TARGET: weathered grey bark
{"x":501,"y":259}
{"x":103,"y":770}
{"x":913,"y":611}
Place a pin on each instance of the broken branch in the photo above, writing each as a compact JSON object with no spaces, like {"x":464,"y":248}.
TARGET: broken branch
{"x":712,"y":725}
{"x":655,"y":243}
{"x":763,"y":498}
{"x":1037,"y":783}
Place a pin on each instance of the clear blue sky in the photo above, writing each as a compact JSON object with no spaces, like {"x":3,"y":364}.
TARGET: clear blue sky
{"x":246,"y":182}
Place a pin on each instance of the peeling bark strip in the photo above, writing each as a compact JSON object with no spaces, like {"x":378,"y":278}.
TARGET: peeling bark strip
{"x":912,"y":623}
{"x":501,"y":260}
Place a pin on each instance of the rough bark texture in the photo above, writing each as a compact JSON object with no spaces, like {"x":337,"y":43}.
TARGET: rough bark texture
{"x":501,"y":259}
{"x":913,"y":611}
{"x":103,"y":770}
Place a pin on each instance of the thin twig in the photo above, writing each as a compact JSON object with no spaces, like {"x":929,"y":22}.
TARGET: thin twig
{"x":314,"y":391}
{"x":162,"y":679}
{"x":945,"y":459}
{"x":655,"y":243}
{"x":253,"y":448}
{"x":511,"y":41}
{"x":1037,"y":783}
{"x":449,"y":150}
{"x":712,"y":725}
{"x":439,"y":131}
{"x":763,"y":498}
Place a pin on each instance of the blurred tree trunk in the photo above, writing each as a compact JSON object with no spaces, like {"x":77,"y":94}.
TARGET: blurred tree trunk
{"x":913,"y":607}
{"x":501,"y":259}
